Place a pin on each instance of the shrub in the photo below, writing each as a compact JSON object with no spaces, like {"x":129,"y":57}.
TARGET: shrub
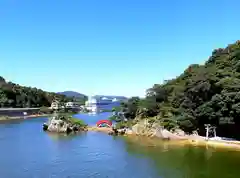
{"x":125,"y":124}
{"x":78,"y":122}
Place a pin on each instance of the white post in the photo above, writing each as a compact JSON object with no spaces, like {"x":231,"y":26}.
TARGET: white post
{"x":207,"y":130}
{"x":214,"y":130}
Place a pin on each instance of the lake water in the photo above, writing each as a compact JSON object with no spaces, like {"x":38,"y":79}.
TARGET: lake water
{"x":28,"y":152}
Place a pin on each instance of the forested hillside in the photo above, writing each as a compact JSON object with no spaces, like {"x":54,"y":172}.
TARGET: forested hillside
{"x":202,"y":94}
{"x":14,"y":95}
{"x":75,"y":96}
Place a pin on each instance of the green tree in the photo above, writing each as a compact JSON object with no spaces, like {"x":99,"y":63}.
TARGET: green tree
{"x":202,"y":94}
{"x":3,"y":98}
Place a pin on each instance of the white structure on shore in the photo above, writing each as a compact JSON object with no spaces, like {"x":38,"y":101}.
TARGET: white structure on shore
{"x":71,"y":105}
{"x":57,"y":105}
{"x":91,"y":104}
{"x":99,"y":102}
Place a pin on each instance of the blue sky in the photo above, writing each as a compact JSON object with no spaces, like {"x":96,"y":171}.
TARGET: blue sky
{"x":109,"y":47}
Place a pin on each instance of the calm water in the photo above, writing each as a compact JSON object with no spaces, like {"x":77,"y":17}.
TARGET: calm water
{"x":92,"y":119}
{"x":28,"y":152}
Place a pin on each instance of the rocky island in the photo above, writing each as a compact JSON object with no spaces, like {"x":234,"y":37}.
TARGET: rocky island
{"x":64,"y":124}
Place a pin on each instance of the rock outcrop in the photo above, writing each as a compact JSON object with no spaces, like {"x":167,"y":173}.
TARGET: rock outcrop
{"x":62,"y":125}
{"x":115,"y":131}
{"x":145,"y":128}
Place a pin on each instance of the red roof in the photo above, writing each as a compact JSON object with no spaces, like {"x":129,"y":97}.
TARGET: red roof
{"x":104,"y":122}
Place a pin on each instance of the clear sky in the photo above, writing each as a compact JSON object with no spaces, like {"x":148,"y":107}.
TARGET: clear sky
{"x":119,"y":47}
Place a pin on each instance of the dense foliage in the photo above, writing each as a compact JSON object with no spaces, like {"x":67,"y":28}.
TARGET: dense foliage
{"x":68,"y":117}
{"x":202,"y":94}
{"x":14,"y":95}
{"x":78,"y":122}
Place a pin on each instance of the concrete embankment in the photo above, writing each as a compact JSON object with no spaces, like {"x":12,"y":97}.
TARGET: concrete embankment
{"x":16,"y":112}
{"x":6,"y":118}
{"x":20,"y":113}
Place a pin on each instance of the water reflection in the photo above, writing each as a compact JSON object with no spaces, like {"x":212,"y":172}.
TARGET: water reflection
{"x":64,"y":136}
{"x":91,"y":119}
{"x":92,"y":154}
{"x":186,"y":161}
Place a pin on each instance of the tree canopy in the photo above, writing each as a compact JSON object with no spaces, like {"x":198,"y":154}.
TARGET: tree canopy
{"x":14,"y":95}
{"x":202,"y":94}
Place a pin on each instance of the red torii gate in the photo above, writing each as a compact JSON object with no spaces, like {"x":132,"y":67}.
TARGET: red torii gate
{"x":104,"y":123}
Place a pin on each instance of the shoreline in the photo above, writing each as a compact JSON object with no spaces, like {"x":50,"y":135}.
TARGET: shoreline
{"x":233,"y":145}
{"x":99,"y":129}
{"x":8,"y":118}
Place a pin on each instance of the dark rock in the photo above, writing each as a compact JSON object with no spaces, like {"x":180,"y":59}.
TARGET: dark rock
{"x":111,"y":133}
{"x":69,"y":130}
{"x":45,"y":127}
{"x":115,"y":131}
{"x":75,"y":128}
